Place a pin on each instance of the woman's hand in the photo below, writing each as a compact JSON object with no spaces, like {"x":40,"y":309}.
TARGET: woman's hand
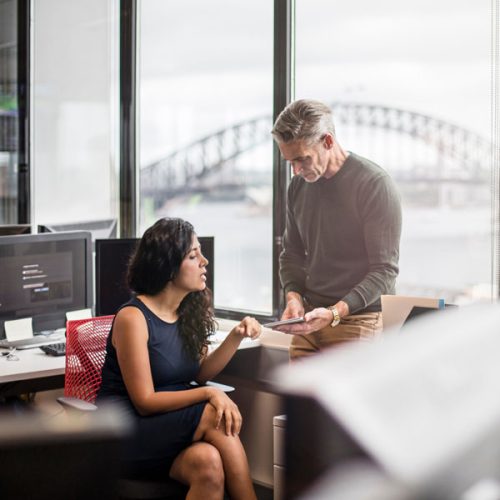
{"x":248,"y":327}
{"x":217,"y":359}
{"x":227,"y":409}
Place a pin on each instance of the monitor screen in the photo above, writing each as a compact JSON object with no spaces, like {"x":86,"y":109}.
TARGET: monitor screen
{"x":111,"y":260}
{"x":43,"y":276}
{"x":12,"y":229}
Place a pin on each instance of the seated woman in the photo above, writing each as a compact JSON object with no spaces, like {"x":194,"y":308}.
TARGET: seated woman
{"x":156,"y":347}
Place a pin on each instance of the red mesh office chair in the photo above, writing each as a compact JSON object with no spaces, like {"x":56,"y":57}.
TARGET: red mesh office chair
{"x":85,"y":354}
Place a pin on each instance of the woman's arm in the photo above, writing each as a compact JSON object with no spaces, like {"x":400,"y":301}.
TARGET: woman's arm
{"x":130,"y":339}
{"x":213,"y":364}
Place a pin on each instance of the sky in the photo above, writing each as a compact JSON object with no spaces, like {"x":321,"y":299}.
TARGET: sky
{"x":205,"y":65}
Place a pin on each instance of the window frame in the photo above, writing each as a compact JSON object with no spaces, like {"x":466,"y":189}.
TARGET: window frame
{"x":24,"y":111}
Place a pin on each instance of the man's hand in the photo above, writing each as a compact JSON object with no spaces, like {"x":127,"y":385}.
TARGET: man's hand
{"x":294,"y":306}
{"x":314,"y":320}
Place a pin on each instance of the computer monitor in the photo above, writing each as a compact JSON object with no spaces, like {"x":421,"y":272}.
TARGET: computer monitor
{"x":12,"y":229}
{"x":43,"y":276}
{"x":102,"y":228}
{"x":111,"y":260}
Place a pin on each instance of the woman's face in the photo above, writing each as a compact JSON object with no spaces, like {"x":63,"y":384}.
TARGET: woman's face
{"x":192,"y":273}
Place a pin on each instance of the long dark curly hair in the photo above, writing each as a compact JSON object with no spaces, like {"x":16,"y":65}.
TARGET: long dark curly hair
{"x":157,"y":261}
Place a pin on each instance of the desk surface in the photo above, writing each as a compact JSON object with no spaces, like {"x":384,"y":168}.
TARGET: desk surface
{"x":34,"y":364}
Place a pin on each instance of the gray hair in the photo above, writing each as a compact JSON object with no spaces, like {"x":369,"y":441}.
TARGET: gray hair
{"x":305,"y":120}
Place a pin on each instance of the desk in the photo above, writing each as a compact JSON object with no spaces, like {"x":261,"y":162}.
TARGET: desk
{"x":35,"y":371}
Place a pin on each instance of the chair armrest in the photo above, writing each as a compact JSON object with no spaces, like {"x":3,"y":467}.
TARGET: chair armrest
{"x":76,"y":404}
{"x":222,"y":387}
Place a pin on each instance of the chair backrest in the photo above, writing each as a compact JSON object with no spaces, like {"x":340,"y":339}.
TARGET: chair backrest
{"x":85,"y":354}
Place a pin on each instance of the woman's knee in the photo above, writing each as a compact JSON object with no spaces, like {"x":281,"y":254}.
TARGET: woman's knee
{"x":206,"y":464}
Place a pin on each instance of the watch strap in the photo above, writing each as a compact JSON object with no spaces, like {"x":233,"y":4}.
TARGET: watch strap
{"x":336,"y":316}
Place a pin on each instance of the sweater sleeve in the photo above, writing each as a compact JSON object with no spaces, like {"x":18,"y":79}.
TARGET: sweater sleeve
{"x":292,"y":257}
{"x":382,"y":219}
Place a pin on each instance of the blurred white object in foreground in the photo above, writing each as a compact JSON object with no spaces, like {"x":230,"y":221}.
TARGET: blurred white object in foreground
{"x":424,"y":403}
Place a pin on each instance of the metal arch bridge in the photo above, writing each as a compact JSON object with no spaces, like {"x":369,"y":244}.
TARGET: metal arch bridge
{"x":190,"y":169}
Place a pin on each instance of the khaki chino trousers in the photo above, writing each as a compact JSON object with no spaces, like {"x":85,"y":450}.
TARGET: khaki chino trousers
{"x":364,"y":327}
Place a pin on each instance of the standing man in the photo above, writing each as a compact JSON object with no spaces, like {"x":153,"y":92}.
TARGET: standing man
{"x":341,"y":242}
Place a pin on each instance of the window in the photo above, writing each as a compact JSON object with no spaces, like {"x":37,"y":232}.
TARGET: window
{"x":205,"y":145}
{"x":74,"y":166}
{"x":411,"y":85}
{"x":410,"y":88}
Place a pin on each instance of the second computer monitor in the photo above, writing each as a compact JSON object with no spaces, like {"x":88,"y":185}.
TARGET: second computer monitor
{"x":111,"y":260}
{"x":99,"y":228}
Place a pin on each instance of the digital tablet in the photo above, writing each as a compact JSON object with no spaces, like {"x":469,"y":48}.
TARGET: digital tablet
{"x":290,"y":321}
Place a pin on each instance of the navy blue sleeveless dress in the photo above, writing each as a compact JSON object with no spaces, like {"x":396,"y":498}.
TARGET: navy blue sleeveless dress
{"x":157,"y":439}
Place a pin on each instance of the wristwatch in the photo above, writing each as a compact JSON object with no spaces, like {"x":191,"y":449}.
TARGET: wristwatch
{"x":336,"y":316}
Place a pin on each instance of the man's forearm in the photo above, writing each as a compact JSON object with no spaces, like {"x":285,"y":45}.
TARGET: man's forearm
{"x":373,"y":285}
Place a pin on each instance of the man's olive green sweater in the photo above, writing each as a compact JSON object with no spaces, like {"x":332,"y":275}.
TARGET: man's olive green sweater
{"x":342,"y":235}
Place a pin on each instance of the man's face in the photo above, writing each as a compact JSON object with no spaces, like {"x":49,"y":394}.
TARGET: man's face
{"x":310,"y":161}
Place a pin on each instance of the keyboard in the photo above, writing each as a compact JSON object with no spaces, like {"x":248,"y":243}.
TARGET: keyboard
{"x":57,"y":349}
{"x":37,"y":341}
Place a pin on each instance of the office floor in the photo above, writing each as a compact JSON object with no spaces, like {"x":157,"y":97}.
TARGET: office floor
{"x":263,"y":493}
